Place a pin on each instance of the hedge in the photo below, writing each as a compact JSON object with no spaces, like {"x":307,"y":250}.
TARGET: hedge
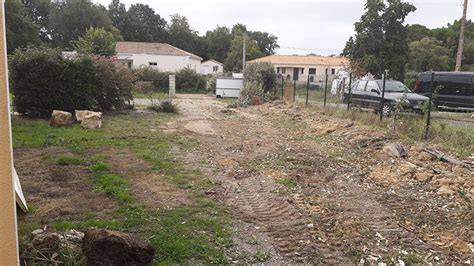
{"x":43,"y":81}
{"x":186,"y":79}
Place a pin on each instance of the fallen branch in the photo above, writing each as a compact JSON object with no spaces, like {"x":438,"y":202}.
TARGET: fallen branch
{"x":446,"y":158}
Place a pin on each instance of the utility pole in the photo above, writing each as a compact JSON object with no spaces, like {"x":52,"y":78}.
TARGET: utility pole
{"x":244,"y":51}
{"x":461,"y":39}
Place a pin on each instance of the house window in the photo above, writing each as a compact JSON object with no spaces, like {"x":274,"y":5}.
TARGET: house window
{"x":333,"y":71}
{"x":189,"y":66}
{"x":153,"y":64}
{"x":278,"y":70}
{"x":312,"y":71}
{"x":302,"y":71}
{"x":129,"y":64}
{"x":215,"y":68}
{"x":283,"y":70}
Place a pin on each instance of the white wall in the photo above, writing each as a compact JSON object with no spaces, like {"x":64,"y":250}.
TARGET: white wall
{"x":207,"y":68}
{"x":169,"y":63}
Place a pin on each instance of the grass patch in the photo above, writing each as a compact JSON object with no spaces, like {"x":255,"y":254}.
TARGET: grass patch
{"x":197,"y":231}
{"x":68,"y":160}
{"x":287,"y":182}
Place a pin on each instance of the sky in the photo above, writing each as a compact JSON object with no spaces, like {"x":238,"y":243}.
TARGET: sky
{"x":302,"y":26}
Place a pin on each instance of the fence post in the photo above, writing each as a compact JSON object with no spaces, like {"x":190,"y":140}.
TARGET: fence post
{"x":326,"y":88}
{"x":382,"y":101}
{"x":349,"y":99}
{"x":428,"y":116}
{"x":294,"y":90}
{"x":282,"y":87}
{"x":307,"y":92}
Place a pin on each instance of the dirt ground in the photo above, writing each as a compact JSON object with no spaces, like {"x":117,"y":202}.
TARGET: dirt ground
{"x":302,"y":186}
{"x":317,"y":189}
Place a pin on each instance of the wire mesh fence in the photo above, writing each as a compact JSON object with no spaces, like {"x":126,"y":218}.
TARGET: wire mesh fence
{"x":421,"y":120}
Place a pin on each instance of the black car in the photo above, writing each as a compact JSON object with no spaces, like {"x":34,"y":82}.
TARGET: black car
{"x":454,"y":90}
{"x":368,"y":94}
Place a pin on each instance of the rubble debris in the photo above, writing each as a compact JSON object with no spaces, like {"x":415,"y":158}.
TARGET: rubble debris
{"x":395,"y":150}
{"x":46,"y":238}
{"x":92,"y":121}
{"x":60,"y":119}
{"x":104,"y":247}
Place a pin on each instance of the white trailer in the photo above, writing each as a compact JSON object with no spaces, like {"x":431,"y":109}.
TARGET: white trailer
{"x":228,"y":87}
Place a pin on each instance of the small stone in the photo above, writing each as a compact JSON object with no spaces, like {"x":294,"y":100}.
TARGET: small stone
{"x":395,"y":150}
{"x":310,"y":226}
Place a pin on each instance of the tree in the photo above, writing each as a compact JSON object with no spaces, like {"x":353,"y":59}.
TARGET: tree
{"x":39,"y":13}
{"x":142,"y":24}
{"x":218,"y":43}
{"x":182,"y":36}
{"x":381,"y":39}
{"x":96,"y":41}
{"x":396,"y":37}
{"x":20,"y":31}
{"x":267,"y":43}
{"x":417,"y":32}
{"x":71,"y":19}
{"x":428,"y":54}
{"x":233,"y":61}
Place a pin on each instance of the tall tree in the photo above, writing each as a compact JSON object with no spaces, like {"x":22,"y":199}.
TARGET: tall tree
{"x":96,"y":41}
{"x":218,"y":43}
{"x":182,"y":36}
{"x":381,"y":38}
{"x":71,"y":19}
{"x":142,"y":24}
{"x":396,"y":37}
{"x":20,"y":30}
{"x":417,"y":32}
{"x":267,"y":43}
{"x":233,"y":61}
{"x":39,"y":12}
{"x":428,"y":54}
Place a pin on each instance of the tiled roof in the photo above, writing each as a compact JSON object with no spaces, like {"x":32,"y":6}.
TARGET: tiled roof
{"x":303,"y":60}
{"x":151,"y":48}
{"x":212,"y":60}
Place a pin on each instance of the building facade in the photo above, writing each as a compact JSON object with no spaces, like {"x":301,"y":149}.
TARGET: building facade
{"x":304,"y":67}
{"x":160,"y":56}
{"x":212,"y":67}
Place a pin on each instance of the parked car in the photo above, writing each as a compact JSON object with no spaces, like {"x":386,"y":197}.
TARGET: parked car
{"x":368,"y":94}
{"x":455,"y":90}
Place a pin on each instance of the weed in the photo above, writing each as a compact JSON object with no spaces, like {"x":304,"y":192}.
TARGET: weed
{"x":287,"y":182}
{"x":67,"y":160}
{"x":100,"y":167}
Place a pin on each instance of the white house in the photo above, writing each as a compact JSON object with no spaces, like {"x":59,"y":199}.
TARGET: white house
{"x":161,"y":56}
{"x":304,"y":67}
{"x":212,"y":67}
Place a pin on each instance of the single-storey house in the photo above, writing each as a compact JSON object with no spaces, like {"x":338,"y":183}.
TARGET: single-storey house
{"x":212,"y":66}
{"x":160,"y":56}
{"x":302,"y":67}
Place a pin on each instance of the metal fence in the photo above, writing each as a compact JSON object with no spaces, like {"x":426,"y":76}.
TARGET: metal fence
{"x":326,"y":91}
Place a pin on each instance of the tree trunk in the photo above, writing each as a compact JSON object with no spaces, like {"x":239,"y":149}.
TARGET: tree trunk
{"x":461,"y":39}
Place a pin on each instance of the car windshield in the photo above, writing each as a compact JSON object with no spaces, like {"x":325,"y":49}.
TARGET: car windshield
{"x":393,"y":86}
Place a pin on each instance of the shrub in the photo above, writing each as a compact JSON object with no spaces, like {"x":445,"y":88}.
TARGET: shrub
{"x":43,"y":81}
{"x":259,"y":81}
{"x":189,"y":81}
{"x":165,"y":106}
{"x":160,"y":80}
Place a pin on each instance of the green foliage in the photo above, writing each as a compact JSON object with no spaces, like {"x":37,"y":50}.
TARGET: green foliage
{"x":43,"y":81}
{"x":188,"y":80}
{"x":39,"y":12}
{"x":381,"y":39}
{"x":259,"y":81}
{"x":166,"y":106}
{"x":96,"y":41}
{"x":68,"y":160}
{"x":20,"y":30}
{"x":182,"y":36}
{"x":428,"y":54}
{"x":70,"y":20}
{"x":139,"y":23}
{"x":233,"y":62}
{"x":218,"y":43}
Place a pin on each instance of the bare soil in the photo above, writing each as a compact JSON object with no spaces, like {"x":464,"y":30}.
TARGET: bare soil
{"x":321,"y":190}
{"x":58,"y":192}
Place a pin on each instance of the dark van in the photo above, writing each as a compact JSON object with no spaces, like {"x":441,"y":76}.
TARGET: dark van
{"x":455,"y":89}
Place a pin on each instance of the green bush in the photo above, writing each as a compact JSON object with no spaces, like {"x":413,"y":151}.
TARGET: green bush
{"x":160,"y":80}
{"x":189,"y":81}
{"x":43,"y":81}
{"x":259,"y":82}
